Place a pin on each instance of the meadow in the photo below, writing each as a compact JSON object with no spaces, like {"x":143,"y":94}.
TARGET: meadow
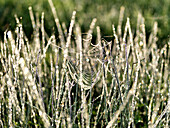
{"x":73,"y":78}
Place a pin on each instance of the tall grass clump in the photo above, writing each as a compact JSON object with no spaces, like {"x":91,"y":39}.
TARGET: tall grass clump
{"x":67,"y":80}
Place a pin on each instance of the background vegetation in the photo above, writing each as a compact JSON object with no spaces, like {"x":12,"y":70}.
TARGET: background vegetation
{"x":106,"y":12}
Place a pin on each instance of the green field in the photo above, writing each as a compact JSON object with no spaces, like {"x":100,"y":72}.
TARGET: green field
{"x":106,"y":12}
{"x":96,"y":63}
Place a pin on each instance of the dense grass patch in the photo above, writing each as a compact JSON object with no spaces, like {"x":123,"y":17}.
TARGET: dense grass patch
{"x":73,"y":79}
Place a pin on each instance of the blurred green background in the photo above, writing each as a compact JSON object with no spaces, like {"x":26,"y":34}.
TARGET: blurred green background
{"x":106,"y":12}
